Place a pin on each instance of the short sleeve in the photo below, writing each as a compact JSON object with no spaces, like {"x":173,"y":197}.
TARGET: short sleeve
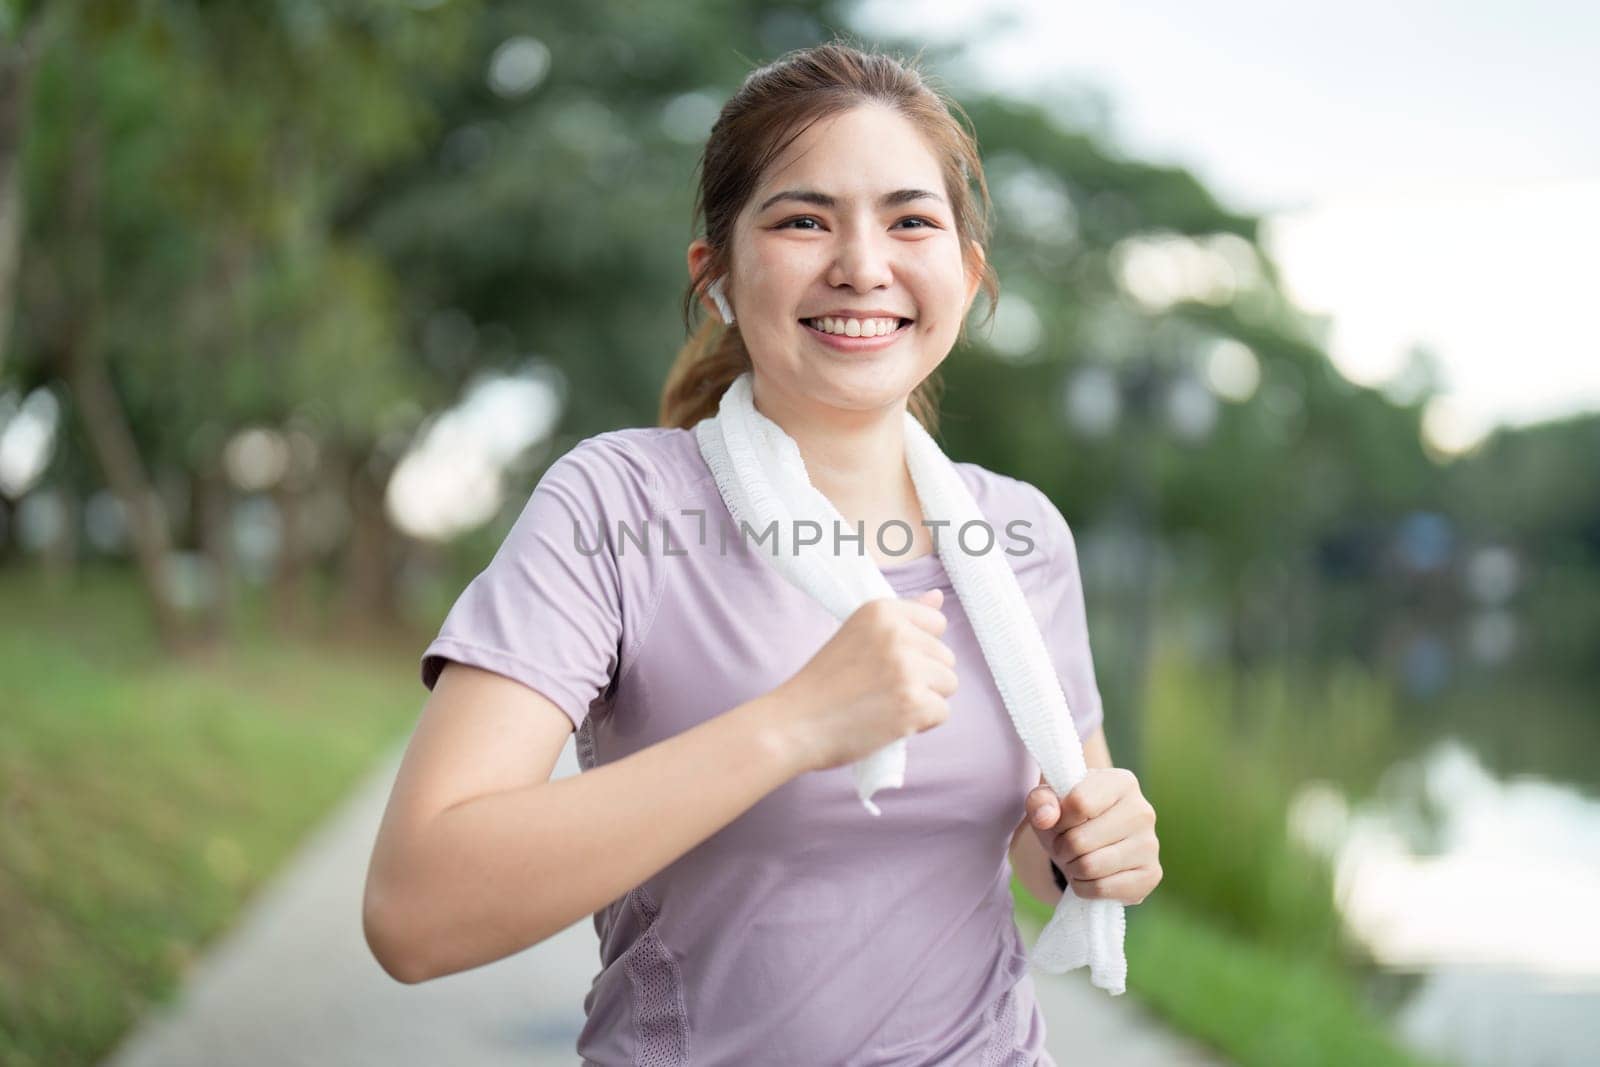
{"x":1065,"y":627}
{"x":554,"y":607}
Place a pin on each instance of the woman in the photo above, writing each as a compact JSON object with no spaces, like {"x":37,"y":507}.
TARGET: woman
{"x":749,"y":910}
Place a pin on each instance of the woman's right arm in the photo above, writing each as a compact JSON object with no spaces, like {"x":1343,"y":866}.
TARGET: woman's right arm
{"x":480,"y":855}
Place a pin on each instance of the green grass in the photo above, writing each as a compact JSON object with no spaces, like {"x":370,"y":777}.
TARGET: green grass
{"x":1255,"y":1006}
{"x":1241,"y":945}
{"x":145,"y":799}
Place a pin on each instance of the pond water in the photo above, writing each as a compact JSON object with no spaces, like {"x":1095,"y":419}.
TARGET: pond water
{"x":1472,"y":872}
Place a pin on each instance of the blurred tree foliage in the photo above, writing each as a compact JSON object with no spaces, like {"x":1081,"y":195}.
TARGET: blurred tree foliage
{"x":331,"y":218}
{"x":181,"y":276}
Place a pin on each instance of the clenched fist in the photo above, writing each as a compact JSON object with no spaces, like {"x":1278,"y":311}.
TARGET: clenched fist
{"x":1102,"y":835}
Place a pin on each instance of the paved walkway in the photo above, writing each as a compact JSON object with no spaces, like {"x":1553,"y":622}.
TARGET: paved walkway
{"x":294,"y":984}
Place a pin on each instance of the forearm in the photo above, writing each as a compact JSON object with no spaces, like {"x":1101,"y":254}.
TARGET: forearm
{"x":1029,"y":860}
{"x":502,"y":872}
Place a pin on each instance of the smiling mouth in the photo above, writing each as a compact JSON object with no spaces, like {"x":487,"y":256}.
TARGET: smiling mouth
{"x":838,"y":328}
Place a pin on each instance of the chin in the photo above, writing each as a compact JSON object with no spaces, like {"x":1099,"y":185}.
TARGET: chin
{"x":862,"y":386}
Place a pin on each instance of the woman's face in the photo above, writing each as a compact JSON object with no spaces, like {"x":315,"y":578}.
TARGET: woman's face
{"x":851,"y":222}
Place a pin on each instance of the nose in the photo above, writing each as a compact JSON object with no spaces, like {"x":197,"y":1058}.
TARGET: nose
{"x":862,"y":261}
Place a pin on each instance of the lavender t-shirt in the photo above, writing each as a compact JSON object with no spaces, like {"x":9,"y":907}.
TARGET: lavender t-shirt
{"x":807,"y":930}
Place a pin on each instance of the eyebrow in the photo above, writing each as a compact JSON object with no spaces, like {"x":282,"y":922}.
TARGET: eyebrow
{"x":811,"y":196}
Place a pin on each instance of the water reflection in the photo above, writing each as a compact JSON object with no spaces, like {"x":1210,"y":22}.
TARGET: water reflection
{"x":1486,"y":889}
{"x":1490,"y":1018}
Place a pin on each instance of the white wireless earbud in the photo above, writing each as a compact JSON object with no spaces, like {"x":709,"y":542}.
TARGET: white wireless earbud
{"x":714,"y":290}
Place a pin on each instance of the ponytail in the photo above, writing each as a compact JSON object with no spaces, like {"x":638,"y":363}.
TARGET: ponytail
{"x":706,"y":365}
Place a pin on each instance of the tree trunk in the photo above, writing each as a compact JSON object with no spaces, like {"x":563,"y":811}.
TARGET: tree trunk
{"x":212,"y":501}
{"x":289,"y":606}
{"x":111,"y":439}
{"x":18,"y":59}
{"x":370,"y":600}
{"x":99,"y":409}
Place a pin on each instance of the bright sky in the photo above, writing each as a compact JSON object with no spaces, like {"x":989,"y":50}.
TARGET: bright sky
{"x":1431,"y":171}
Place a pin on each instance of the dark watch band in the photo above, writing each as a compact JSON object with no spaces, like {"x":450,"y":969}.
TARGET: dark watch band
{"x":1061,"y":879}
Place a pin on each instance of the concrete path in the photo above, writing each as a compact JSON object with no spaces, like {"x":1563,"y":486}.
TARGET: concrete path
{"x":294,"y":984}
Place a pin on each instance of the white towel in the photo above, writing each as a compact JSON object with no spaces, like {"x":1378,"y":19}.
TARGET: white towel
{"x":763,"y":481}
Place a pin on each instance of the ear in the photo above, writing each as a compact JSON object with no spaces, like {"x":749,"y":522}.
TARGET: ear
{"x":975,"y":277}
{"x":699,"y":252}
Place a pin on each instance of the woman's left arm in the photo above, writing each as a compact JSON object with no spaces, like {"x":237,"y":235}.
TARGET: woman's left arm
{"x":1102,"y":835}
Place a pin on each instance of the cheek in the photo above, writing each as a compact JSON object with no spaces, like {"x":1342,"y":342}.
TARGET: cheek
{"x":770,"y":286}
{"x":940,"y":290}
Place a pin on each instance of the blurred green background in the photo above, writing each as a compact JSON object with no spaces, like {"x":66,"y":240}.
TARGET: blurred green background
{"x":298,"y":299}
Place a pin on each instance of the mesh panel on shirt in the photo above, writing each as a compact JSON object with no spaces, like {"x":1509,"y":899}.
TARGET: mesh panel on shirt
{"x":584,"y":744}
{"x":660,"y":1019}
{"x":1001,"y":1049}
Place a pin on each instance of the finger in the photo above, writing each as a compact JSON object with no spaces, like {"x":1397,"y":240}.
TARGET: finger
{"x":1127,"y":818}
{"x":1042,"y":807}
{"x":932,"y":647}
{"x":1129,"y":887}
{"x":1128,"y":854}
{"x":1094,"y":795}
{"x":942,"y":679}
{"x":924,"y":615}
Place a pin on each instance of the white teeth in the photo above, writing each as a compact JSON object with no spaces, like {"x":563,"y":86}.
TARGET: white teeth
{"x":856,"y":327}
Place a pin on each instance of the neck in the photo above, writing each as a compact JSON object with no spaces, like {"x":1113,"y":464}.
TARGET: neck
{"x":855,"y":458}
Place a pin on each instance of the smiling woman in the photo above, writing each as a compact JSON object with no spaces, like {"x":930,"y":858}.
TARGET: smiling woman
{"x":730,"y":727}
{"x":834,"y":168}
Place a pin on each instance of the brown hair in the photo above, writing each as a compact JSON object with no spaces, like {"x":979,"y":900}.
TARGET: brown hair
{"x":774,"y":106}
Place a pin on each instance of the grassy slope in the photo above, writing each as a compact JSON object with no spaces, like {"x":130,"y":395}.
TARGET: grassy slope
{"x":144,"y":800}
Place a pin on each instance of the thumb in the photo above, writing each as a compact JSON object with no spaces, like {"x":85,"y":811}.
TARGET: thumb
{"x":1043,"y":810}
{"x":932,"y":597}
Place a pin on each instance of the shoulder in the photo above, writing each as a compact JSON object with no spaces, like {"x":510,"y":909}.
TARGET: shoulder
{"x":633,"y":465}
{"x":661,"y":456}
{"x":1004,"y":500}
